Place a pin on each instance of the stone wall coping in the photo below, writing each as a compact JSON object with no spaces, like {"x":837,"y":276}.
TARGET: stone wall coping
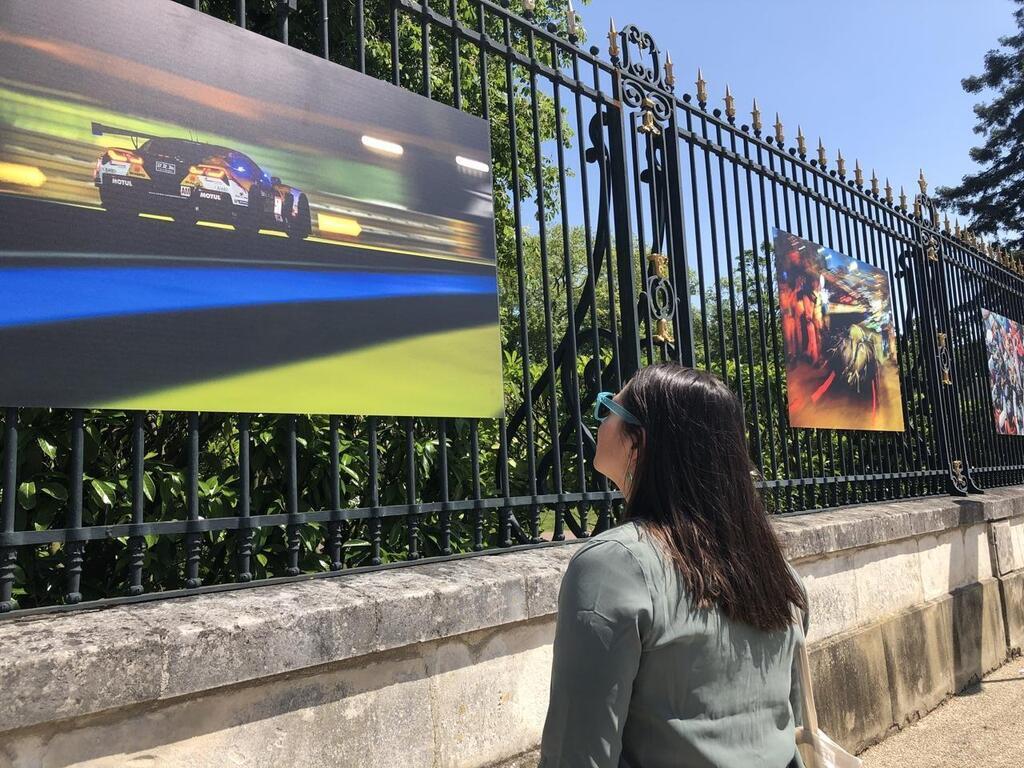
{"x":64,"y":665}
{"x":816,"y":534}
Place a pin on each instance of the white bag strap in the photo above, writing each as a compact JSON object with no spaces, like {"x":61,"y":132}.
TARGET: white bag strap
{"x":807,"y":689}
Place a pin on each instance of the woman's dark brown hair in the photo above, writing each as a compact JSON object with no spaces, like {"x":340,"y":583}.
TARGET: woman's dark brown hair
{"x":693,"y":490}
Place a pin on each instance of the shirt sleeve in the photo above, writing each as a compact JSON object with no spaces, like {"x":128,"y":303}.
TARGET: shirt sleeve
{"x":604,"y":614}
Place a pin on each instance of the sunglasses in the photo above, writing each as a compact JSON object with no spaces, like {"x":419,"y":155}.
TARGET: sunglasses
{"x":605,"y":406}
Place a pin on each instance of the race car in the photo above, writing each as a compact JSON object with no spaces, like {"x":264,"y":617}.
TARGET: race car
{"x":194,"y":181}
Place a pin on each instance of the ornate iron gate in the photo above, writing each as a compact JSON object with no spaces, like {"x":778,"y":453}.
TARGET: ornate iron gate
{"x":634,"y":225}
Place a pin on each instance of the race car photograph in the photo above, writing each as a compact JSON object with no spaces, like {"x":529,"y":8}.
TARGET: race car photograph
{"x":180,"y":235}
{"x":195,"y":181}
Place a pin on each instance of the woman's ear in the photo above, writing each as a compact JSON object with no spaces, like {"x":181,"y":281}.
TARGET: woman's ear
{"x":638,"y":442}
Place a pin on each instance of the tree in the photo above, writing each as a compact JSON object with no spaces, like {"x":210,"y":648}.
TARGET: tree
{"x":994,"y":196}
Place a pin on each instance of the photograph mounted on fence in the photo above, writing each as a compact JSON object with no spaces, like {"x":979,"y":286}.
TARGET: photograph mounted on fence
{"x":842,"y":370}
{"x":1005,"y":348}
{"x":199,"y":218}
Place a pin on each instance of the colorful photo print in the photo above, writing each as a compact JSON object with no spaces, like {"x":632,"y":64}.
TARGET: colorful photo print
{"x":842,"y":370}
{"x":196,"y":217}
{"x":1005,"y":348}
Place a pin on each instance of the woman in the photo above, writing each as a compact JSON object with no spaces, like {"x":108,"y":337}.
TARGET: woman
{"x":676,"y":630}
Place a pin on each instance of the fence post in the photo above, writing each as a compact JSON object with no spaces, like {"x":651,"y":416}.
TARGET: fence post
{"x":673,"y":179}
{"x":933,"y":309}
{"x":629,"y":344}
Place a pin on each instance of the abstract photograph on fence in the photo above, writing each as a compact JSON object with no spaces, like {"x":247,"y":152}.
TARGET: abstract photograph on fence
{"x":842,"y":370}
{"x":1005,"y":348}
{"x":196,"y":217}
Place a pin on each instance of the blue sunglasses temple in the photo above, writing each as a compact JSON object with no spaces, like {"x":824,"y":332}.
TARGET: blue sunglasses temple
{"x":605,"y":399}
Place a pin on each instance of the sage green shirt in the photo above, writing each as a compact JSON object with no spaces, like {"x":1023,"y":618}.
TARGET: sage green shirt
{"x":642,"y":680}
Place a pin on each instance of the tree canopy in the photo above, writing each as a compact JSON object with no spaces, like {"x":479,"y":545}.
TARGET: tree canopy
{"x":994,"y":196}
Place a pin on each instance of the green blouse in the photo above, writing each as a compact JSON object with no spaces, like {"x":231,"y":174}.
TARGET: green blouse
{"x":642,"y":680}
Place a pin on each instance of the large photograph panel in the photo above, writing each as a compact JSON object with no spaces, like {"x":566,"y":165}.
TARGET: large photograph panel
{"x":842,"y":370}
{"x":1004,"y":345}
{"x":200,"y":218}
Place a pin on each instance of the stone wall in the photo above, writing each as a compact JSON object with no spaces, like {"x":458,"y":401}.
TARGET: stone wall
{"x":447,"y":664}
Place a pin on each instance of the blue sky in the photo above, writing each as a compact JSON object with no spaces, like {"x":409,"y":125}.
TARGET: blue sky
{"x":879,"y":80}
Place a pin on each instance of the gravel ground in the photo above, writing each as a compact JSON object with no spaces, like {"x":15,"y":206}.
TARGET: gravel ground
{"x":983,"y":726}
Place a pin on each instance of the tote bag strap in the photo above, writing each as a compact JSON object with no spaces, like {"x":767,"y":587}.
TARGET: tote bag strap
{"x":807,"y":690}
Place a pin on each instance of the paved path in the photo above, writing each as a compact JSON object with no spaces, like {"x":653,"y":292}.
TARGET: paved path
{"x":983,"y":726}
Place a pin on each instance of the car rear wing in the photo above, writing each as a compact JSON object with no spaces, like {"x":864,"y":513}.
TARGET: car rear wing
{"x":99,"y":129}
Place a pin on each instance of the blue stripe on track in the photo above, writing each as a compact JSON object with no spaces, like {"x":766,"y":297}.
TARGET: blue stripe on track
{"x":52,"y":294}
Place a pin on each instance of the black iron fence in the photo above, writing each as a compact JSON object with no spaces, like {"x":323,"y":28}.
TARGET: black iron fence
{"x":633,"y":225}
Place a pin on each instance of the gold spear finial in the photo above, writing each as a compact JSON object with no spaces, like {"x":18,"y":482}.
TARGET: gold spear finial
{"x":918,"y":212}
{"x":570,"y":21}
{"x":840,"y":164}
{"x":755,"y":115}
{"x":903,"y":198}
{"x":779,"y":136}
{"x":730,"y":104}
{"x":956,"y":229}
{"x":822,"y":157}
{"x":702,"y":88}
{"x":670,"y":75}
{"x":613,"y":39}
{"x":801,"y":142}
{"x":858,"y":174}
{"x":888,"y":192}
{"x":874,"y":183}
{"x":945,"y":223}
{"x":923,"y":183}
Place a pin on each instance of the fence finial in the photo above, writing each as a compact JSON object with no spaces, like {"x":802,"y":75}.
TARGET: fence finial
{"x":702,"y":89}
{"x":755,"y":115}
{"x":840,"y":164}
{"x":613,"y":39}
{"x":923,"y":183}
{"x":903,"y":198}
{"x":779,"y":135}
{"x":528,"y":8}
{"x":670,"y":75}
{"x":945,"y":223}
{"x":801,"y":142}
{"x":730,"y":104}
{"x":822,"y":157}
{"x":874,"y":183}
{"x":570,"y":23}
{"x":956,"y":228}
{"x":858,"y":174}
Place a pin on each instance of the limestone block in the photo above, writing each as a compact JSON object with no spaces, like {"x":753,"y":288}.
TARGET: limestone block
{"x":888,"y":579}
{"x":919,"y":657}
{"x":852,"y":688}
